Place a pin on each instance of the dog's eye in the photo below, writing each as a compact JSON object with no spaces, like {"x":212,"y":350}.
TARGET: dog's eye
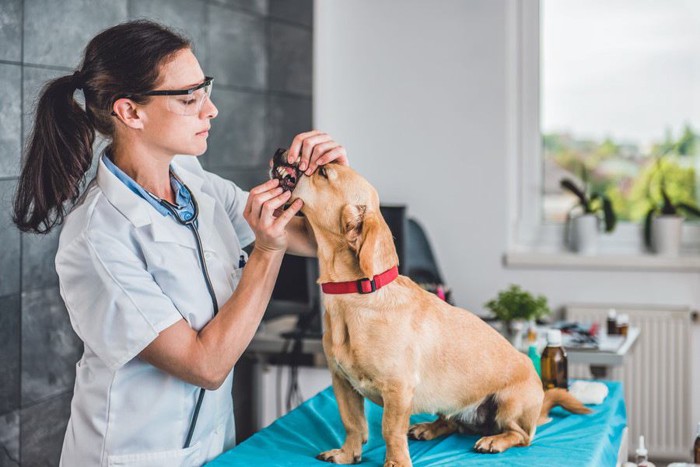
{"x":322,"y":172}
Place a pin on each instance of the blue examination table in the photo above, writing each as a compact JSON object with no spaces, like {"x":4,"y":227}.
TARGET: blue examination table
{"x":315,"y":426}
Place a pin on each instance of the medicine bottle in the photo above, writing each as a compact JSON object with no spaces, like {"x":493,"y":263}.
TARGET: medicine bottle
{"x":553,"y":363}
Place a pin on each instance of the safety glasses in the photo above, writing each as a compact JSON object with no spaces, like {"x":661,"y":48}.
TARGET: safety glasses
{"x":186,"y":101}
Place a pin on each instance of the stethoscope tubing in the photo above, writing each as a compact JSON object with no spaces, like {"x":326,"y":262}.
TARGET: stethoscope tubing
{"x":190,"y":224}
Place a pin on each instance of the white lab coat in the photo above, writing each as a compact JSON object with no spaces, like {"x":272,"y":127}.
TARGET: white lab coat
{"x":126,"y":272}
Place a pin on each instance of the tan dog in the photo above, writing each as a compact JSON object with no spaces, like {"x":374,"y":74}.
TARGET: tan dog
{"x":404,"y":348}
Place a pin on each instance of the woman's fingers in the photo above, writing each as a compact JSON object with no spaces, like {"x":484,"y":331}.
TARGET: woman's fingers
{"x":328,"y":152}
{"x":295,"y":148}
{"x":287,"y":215}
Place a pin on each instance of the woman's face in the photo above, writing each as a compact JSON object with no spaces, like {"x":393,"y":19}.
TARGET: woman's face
{"x":171,"y":132}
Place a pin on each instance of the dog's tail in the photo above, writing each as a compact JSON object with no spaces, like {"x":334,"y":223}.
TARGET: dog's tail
{"x":562,"y":397}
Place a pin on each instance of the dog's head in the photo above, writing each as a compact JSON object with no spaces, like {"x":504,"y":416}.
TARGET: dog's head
{"x":343,"y":210}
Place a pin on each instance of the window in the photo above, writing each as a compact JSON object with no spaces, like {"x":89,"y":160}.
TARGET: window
{"x":607,"y":92}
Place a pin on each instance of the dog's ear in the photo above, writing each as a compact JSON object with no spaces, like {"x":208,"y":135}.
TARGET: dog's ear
{"x":370,"y":238}
{"x":351,"y":218}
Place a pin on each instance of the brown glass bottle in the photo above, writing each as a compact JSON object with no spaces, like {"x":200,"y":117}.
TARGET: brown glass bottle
{"x":696,"y":448}
{"x":553,"y":362}
{"x":612,"y":322}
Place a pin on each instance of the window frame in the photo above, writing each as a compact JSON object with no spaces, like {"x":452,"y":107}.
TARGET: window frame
{"x":529,"y":231}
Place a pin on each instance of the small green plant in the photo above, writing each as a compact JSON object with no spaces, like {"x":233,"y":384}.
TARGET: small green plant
{"x":515,"y":303}
{"x":591,"y":203}
{"x":665,"y":207}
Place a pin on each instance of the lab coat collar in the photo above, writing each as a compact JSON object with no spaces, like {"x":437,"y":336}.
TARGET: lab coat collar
{"x":141,"y":214}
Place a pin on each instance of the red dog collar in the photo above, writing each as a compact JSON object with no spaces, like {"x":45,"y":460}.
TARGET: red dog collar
{"x":362,"y":286}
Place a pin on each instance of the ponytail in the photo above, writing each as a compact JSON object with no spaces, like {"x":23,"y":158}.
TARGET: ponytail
{"x":123,"y":60}
{"x":58,"y":156}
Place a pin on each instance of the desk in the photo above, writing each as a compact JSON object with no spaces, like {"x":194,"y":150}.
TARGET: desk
{"x":592,"y":440}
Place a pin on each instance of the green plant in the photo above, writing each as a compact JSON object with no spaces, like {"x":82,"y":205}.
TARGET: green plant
{"x":591,"y":203}
{"x":664,"y":207}
{"x":515,"y":303}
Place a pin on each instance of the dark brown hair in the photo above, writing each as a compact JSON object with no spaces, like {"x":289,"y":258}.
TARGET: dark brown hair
{"x":122,"y":60}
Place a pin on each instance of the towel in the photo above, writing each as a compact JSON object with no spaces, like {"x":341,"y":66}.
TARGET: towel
{"x":589,"y":392}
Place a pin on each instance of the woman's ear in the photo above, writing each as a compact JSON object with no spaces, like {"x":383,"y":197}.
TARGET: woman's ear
{"x":370,"y":237}
{"x":125,"y":110}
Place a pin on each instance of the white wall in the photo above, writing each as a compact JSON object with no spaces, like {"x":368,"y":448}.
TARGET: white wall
{"x":417,"y":91}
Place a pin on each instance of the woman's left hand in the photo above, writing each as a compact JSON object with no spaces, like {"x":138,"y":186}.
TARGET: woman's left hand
{"x":316,"y":148}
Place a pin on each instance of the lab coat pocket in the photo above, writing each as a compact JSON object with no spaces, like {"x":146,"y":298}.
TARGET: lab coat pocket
{"x":174,"y":457}
{"x":235,"y":278}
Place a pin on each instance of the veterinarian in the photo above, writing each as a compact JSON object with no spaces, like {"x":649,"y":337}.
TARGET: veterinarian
{"x":150,"y":259}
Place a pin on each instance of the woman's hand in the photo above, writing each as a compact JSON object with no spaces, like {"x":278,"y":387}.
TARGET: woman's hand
{"x":316,"y":148}
{"x":263,"y":200}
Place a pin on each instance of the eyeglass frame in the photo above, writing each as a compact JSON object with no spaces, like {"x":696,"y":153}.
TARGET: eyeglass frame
{"x":208,"y":80}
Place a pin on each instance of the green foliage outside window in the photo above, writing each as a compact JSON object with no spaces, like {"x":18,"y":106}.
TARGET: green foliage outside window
{"x":628,"y":175}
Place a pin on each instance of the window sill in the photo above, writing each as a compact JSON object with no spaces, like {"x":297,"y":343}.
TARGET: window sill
{"x":601,"y":262}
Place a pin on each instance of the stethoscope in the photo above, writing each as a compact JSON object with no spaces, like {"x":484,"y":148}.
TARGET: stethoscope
{"x":191,"y":223}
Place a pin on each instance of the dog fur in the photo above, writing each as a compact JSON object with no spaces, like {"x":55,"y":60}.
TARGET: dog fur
{"x":404,"y":348}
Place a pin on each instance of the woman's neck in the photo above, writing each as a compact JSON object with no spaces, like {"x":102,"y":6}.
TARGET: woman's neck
{"x":146,"y":167}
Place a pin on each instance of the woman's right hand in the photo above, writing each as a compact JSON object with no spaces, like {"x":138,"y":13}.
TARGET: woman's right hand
{"x":263,"y":200}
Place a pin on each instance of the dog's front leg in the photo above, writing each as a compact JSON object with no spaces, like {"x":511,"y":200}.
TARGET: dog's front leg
{"x":352,"y":411}
{"x":398,"y":399}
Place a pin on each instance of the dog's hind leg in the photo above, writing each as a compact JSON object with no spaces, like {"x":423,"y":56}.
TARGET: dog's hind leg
{"x":398,"y":399}
{"x":518,"y":430}
{"x":352,"y":412}
{"x":431,"y":430}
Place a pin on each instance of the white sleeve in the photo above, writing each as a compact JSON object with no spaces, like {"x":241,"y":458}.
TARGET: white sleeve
{"x":115,"y":305}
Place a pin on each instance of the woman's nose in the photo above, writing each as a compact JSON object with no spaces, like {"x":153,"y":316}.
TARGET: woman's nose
{"x":209,"y":109}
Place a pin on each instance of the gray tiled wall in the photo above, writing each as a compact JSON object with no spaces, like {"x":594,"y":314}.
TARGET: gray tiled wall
{"x":259,"y":52}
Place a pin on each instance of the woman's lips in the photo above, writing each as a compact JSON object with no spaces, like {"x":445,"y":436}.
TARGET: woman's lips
{"x":203,"y":133}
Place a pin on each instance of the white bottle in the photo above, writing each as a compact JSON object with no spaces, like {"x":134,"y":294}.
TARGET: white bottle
{"x":642,"y":455}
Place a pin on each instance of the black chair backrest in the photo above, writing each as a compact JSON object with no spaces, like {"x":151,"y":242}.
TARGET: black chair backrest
{"x":421,"y":263}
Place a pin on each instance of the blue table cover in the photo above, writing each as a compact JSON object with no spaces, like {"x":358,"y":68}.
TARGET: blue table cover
{"x":315,"y":426}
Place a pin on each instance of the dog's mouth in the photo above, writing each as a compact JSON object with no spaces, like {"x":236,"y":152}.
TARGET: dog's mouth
{"x":288,"y":174}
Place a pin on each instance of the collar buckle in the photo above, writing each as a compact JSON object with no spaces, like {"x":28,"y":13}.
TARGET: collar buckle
{"x":362,"y":290}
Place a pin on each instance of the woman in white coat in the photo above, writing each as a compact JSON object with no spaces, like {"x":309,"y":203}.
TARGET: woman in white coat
{"x":150,"y":259}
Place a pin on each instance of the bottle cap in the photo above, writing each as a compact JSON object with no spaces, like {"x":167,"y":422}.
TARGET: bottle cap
{"x":623,"y":319}
{"x":554,"y":337}
{"x":698,"y":429}
{"x":612,"y":313}
{"x":641,"y":450}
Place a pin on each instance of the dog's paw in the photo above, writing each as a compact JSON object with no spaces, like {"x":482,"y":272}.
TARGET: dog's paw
{"x":492,"y":444}
{"x":397,"y":463}
{"x":338,"y":456}
{"x":421,"y":432}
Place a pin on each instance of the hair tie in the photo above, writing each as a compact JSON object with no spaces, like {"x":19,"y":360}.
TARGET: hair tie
{"x":78,"y":80}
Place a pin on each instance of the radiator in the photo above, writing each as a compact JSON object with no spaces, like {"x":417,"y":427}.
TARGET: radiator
{"x":655,"y":375}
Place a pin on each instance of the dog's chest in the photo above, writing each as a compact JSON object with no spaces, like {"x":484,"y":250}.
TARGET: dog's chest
{"x":358,"y":379}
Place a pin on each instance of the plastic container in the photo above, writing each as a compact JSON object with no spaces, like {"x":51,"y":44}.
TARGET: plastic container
{"x":553,"y":362}
{"x":623,"y":324}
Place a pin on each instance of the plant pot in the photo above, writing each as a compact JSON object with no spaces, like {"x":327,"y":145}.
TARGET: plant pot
{"x":583,"y":235}
{"x":666,"y":235}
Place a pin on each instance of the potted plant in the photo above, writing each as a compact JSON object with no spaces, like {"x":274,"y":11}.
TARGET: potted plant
{"x":516,"y":305}
{"x":664,"y":221}
{"x":582,"y":229}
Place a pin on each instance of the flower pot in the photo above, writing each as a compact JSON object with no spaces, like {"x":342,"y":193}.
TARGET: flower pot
{"x":583,"y":235}
{"x":666,"y":235}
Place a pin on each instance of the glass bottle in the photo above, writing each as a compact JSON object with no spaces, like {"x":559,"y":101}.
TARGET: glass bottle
{"x":612,"y":321}
{"x":553,"y":362}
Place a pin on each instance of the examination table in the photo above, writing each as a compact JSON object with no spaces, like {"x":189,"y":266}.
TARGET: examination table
{"x":568,"y":440}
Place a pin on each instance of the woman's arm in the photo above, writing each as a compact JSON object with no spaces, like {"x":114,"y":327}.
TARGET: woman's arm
{"x":205,"y":357}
